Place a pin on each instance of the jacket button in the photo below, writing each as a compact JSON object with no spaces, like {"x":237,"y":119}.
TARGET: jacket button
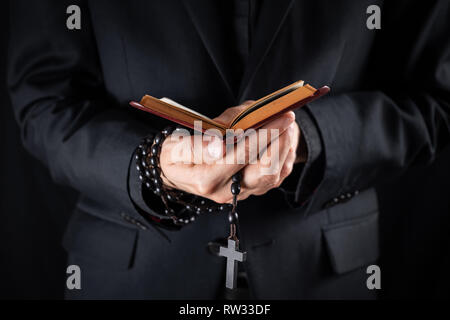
{"x":339,"y":199}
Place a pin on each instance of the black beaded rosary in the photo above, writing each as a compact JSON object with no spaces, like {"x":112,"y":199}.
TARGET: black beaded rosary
{"x":231,"y":252}
{"x":148,"y":166}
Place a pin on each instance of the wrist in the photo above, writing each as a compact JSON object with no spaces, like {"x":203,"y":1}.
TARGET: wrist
{"x":181,"y":208}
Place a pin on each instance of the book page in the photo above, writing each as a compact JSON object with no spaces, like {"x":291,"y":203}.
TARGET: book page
{"x":176,"y":104}
{"x":276,"y":107}
{"x":267,"y":99}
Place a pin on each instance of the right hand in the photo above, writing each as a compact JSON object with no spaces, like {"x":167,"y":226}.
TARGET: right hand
{"x":211,"y":178}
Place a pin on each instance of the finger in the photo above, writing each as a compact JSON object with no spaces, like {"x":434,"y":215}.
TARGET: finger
{"x":192,"y":149}
{"x":230,"y":158}
{"x":255,"y":142}
{"x":223,"y":194}
{"x":204,"y":176}
{"x":274,"y":157}
{"x":196,"y":179}
{"x":178,"y":148}
{"x":230,"y":113}
{"x":288,"y":165}
{"x":265,"y":174}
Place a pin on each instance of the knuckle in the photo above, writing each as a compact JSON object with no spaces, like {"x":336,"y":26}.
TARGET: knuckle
{"x":204,"y":187}
{"x":290,"y":115}
{"x":214,"y":198}
{"x":261,"y":192}
{"x":268,"y":180}
{"x":285,"y":171}
{"x":278,"y":184}
{"x":219,"y":198}
{"x":242,"y":196}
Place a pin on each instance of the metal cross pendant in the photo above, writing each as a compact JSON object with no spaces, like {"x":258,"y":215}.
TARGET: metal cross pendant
{"x":232,"y":252}
{"x":233,"y":256}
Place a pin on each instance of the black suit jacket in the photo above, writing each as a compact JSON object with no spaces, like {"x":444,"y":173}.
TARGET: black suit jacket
{"x":388,"y":110}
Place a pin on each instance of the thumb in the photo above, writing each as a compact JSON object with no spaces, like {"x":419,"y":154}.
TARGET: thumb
{"x":229,"y":114}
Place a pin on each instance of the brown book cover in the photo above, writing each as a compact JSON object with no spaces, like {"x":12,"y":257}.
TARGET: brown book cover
{"x":253,"y":116}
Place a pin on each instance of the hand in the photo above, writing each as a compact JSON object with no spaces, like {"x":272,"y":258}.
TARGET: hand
{"x":211,"y":176}
{"x":270,"y":170}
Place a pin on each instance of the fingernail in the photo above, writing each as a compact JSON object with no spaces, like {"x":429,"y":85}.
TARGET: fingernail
{"x":287,"y":122}
{"x":215,"y":149}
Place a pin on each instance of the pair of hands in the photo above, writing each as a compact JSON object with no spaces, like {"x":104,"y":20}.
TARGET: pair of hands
{"x":211,"y":176}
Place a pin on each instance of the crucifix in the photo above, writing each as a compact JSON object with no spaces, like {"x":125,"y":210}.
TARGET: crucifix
{"x":233,"y":256}
{"x":232,"y":252}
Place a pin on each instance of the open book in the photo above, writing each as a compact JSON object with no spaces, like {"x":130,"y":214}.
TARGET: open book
{"x":253,"y":116}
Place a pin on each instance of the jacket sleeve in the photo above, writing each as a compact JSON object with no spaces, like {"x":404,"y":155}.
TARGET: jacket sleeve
{"x":65,"y":116}
{"x":401,"y":120}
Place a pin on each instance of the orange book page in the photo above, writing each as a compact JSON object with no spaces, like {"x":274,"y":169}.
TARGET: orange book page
{"x":180,"y":115}
{"x":275,"y":107}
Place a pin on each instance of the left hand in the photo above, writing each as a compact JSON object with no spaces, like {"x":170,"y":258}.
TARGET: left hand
{"x":272,"y":167}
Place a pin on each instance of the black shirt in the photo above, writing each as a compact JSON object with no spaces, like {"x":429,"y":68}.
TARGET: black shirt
{"x":239,"y":19}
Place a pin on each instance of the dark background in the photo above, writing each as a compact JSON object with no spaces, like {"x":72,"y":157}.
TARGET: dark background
{"x":33,"y":211}
{"x":415,"y":224}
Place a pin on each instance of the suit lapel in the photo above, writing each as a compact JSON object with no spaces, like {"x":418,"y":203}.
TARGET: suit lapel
{"x":270,"y":21}
{"x":204,"y":15}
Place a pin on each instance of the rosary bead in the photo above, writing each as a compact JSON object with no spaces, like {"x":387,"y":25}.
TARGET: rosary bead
{"x":155,"y":171}
{"x":235,"y":188}
{"x":149,"y":139}
{"x":233,"y":217}
{"x":153,"y":161}
{"x":147,"y":164}
{"x":157,"y":181}
{"x":237,"y":177}
{"x":158,"y":138}
{"x":169,"y":212}
{"x":154,"y":150}
{"x":167,"y":131}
